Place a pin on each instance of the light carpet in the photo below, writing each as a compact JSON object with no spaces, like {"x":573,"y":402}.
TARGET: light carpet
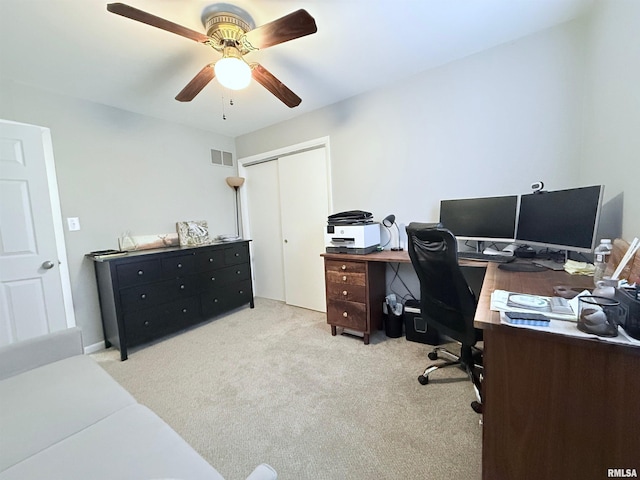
{"x":271,"y":384}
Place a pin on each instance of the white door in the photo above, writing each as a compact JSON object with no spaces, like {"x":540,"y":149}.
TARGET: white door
{"x":263,"y":196}
{"x":288,"y":203}
{"x":304,"y":207}
{"x":35,"y":295}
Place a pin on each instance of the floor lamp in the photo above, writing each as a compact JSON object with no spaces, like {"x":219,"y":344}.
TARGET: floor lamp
{"x":236,"y":183}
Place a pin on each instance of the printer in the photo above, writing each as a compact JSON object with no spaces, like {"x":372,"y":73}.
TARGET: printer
{"x":359,"y":239}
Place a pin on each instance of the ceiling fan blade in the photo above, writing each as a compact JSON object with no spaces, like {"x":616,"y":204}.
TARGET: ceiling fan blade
{"x":198,"y":82}
{"x":275,"y":86}
{"x":295,"y":25}
{"x":144,"y":17}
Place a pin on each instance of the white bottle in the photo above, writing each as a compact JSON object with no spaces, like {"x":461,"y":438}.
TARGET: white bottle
{"x":600,"y":258}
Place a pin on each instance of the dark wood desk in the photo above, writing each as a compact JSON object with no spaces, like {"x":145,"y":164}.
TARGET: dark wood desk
{"x":554,"y":406}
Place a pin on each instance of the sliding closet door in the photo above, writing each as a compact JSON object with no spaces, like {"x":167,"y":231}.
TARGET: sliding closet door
{"x":304,"y":207}
{"x":287,"y":206}
{"x":263,"y":198}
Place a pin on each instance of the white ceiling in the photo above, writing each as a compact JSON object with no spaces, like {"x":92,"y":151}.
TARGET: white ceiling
{"x":77,"y":48}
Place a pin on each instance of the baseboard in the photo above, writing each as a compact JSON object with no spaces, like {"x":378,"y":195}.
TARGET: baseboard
{"x":96,"y":347}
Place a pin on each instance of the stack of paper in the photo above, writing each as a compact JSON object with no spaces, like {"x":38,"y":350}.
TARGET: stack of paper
{"x":579,"y":268}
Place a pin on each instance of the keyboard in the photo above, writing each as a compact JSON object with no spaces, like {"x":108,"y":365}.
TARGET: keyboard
{"x":483,"y":257}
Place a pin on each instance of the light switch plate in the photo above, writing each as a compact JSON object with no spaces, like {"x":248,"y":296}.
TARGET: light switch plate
{"x":73,"y":223}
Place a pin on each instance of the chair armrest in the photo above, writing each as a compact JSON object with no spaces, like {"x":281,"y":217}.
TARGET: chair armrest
{"x":19,"y":357}
{"x":263,"y":472}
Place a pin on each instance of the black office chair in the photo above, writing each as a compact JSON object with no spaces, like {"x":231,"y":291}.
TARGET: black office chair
{"x":446,"y":301}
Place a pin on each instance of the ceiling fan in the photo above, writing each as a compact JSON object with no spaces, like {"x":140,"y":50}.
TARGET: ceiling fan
{"x":230,"y":31}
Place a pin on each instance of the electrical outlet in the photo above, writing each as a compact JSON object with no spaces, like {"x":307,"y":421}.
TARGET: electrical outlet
{"x":73,"y":223}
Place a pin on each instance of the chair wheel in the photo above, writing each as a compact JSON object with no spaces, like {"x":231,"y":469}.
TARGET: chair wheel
{"x":432,"y":355}
{"x":477,"y":407}
{"x":423,"y":380}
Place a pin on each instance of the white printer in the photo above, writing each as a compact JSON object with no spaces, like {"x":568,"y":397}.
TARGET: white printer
{"x":359,"y":239}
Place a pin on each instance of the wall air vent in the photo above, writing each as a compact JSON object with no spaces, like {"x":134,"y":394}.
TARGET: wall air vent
{"x":218,"y":157}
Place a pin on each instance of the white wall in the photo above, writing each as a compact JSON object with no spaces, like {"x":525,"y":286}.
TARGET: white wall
{"x":611,"y":145}
{"x":489,"y":124}
{"x":120,"y":171}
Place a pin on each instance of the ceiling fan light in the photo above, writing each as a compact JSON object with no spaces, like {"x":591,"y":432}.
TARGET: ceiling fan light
{"x":233,"y":73}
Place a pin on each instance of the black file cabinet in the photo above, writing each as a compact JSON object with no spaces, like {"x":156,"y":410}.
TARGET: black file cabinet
{"x":148,"y":294}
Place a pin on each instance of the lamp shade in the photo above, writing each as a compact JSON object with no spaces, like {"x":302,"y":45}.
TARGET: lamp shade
{"x":389,"y":220}
{"x":235,"y":182}
{"x":232,"y":71}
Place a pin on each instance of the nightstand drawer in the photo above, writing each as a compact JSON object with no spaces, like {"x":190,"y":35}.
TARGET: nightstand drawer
{"x":348,"y":315}
{"x":350,"y":293}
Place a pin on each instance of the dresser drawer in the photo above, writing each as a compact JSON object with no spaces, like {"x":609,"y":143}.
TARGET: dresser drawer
{"x":209,"y":260}
{"x":138,"y":273}
{"x":348,"y":315}
{"x":229,"y":296}
{"x":150,"y":323}
{"x":152,"y":294}
{"x":178,"y":266}
{"x":236,"y":254}
{"x":351,"y":293}
{"x":225,"y":275}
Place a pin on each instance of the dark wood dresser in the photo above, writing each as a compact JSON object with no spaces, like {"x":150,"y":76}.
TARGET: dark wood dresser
{"x":148,"y":294}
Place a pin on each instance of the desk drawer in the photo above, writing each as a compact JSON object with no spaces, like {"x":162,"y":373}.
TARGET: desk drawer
{"x":345,"y":266}
{"x":351,"y":315}
{"x":350,"y":293}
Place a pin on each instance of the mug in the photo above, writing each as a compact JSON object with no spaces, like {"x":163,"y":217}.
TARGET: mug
{"x":606,"y":287}
{"x":599,"y":315}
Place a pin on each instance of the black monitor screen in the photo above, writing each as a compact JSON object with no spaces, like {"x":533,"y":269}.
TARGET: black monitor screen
{"x":566,"y":219}
{"x":487,"y":218}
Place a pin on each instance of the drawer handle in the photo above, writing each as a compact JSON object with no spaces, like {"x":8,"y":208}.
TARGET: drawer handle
{"x":215,"y":300}
{"x":344,"y":278}
{"x":241,"y":292}
{"x":345,"y":314}
{"x":181,"y":287}
{"x":140,"y":272}
{"x":179,"y":265}
{"x":211,"y":260}
{"x":238,"y":272}
{"x":143,"y":296}
{"x":146,"y":323}
{"x":344,"y":267}
{"x":184,"y":310}
{"x":213,"y":279}
{"x":237,"y":254}
{"x":344,"y":292}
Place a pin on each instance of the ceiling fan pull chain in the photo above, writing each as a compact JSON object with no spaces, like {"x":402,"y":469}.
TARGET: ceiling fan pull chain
{"x":224,"y":117}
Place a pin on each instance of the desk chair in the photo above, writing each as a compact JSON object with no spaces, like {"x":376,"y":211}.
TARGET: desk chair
{"x":446,"y":301}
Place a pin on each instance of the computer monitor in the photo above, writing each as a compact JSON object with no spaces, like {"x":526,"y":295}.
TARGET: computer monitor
{"x":490,"y":219}
{"x":561,"y":219}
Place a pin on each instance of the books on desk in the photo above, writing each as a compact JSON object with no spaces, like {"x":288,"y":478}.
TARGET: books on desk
{"x":503,"y":301}
{"x":560,"y":323}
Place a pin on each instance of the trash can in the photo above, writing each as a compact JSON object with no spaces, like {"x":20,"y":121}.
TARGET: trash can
{"x":394,"y":318}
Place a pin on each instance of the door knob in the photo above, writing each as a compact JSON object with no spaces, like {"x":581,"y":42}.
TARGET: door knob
{"x":48,"y":265}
